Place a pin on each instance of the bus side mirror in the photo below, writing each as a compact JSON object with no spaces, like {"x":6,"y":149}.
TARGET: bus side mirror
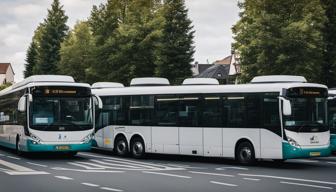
{"x":98,"y":101}
{"x":22,"y":105}
{"x":286,"y":107}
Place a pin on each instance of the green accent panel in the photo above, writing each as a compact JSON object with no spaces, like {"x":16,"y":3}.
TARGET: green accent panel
{"x":333,"y":142}
{"x":52,"y":148}
{"x":94,"y":143}
{"x":291,"y":152}
{"x":8,"y":145}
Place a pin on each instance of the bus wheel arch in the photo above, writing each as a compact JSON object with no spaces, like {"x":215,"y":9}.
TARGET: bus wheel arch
{"x":137,"y":144}
{"x":121,"y":145}
{"x":245,"y":151}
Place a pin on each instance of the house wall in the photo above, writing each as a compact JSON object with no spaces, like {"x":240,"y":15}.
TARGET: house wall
{"x":9,"y":75}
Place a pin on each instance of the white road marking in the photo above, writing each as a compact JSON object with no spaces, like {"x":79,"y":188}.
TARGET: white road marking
{"x":237,"y":168}
{"x":36,"y":164}
{"x":185,"y":166}
{"x":16,"y":158}
{"x":132,"y":163}
{"x":85,"y":166}
{"x":288,"y":178}
{"x":27,"y":173}
{"x":111,"y":189}
{"x":15,"y":166}
{"x":226,"y":184}
{"x":305,"y":161}
{"x":86,"y":171}
{"x":167,"y":174}
{"x":114,"y":164}
{"x":90,"y":184}
{"x":1,"y":155}
{"x":330,"y":162}
{"x":64,"y":177}
{"x":251,"y":179}
{"x":215,"y":174}
{"x":306,"y":185}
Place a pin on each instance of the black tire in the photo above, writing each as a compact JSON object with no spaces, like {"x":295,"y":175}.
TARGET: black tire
{"x":245,"y":153}
{"x":71,"y":153}
{"x":121,"y":147}
{"x":17,"y":147}
{"x":138,"y":148}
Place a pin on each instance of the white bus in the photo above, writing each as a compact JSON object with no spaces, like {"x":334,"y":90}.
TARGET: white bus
{"x":274,"y":117}
{"x":47,"y":113}
{"x":332,"y":118}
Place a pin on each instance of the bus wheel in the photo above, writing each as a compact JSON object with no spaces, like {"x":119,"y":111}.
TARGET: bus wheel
{"x":138,"y":148}
{"x":17,"y":148}
{"x":245,"y":153}
{"x":121,"y":147}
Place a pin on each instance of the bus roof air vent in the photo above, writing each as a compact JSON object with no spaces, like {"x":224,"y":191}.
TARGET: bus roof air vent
{"x":279,"y":79}
{"x":149,"y":81}
{"x":102,"y":85}
{"x":200,"y":81}
{"x":45,"y":78}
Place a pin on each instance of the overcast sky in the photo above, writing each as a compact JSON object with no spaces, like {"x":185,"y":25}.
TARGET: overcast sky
{"x":212,"y":20}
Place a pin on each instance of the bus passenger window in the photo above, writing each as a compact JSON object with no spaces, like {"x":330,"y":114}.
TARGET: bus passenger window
{"x":234,"y":111}
{"x":166,"y":111}
{"x":271,"y":117}
{"x":211,"y":114}
{"x":188,"y":111}
{"x":141,"y":110}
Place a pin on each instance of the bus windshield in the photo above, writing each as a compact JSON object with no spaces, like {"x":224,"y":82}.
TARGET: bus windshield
{"x":61,"y":113}
{"x":308,"y":115}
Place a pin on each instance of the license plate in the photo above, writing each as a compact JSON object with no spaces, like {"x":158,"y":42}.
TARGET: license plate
{"x":315,"y":154}
{"x":62,"y":147}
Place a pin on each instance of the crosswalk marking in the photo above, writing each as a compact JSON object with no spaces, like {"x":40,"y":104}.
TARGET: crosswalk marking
{"x":15,"y":169}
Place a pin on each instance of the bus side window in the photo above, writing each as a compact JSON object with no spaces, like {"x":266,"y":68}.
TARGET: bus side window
{"x":188,"y":111}
{"x":141,"y":110}
{"x":166,"y":110}
{"x":253,"y":110}
{"x":211,"y":111}
{"x":271,"y":117}
{"x":234,"y":111}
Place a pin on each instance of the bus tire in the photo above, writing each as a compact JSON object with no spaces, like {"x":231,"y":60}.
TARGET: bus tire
{"x":138,"y":148}
{"x":121,"y":146}
{"x":17,"y":146}
{"x":245,"y":153}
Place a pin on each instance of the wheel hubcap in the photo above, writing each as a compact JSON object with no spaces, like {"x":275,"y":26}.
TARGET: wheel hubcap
{"x":121,"y":147}
{"x":246,"y":153}
{"x":137,"y":148}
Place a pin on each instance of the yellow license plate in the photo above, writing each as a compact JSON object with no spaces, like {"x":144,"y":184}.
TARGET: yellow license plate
{"x":62,"y":147}
{"x":315,"y":154}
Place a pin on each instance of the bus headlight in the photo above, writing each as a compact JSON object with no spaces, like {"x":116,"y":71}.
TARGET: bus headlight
{"x":87,"y":139}
{"x":292,"y":142}
{"x":35,"y":139}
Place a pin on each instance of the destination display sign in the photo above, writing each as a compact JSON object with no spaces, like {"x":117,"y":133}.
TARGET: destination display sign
{"x":60,"y":91}
{"x":306,"y":92}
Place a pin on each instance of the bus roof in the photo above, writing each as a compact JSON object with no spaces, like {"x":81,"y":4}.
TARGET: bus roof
{"x":190,"y":89}
{"x":43,"y":80}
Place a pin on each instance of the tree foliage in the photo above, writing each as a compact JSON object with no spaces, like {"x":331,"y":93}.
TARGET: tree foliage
{"x":280,"y":38}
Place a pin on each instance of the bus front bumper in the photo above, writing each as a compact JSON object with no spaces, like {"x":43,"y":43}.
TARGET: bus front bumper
{"x":291,"y":152}
{"x":32,"y":147}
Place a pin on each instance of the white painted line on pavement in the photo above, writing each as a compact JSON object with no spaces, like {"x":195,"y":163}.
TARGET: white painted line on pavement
{"x":111,"y":189}
{"x":115,"y":164}
{"x":15,"y":166}
{"x":16,"y":158}
{"x":64,"y":177}
{"x":86,"y":171}
{"x":251,"y":179}
{"x":27,"y":173}
{"x":36,"y":164}
{"x":132,"y":163}
{"x":90,"y":184}
{"x":330,"y":162}
{"x":305,"y":161}
{"x":226,"y":184}
{"x":85,"y":166}
{"x":288,"y":178}
{"x":306,"y":185}
{"x":215,"y":174}
{"x":1,"y":155}
{"x":237,"y":168}
{"x":185,"y":166}
{"x":167,"y":174}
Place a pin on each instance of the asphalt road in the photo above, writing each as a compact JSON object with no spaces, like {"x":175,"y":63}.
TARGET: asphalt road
{"x":102,"y":171}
